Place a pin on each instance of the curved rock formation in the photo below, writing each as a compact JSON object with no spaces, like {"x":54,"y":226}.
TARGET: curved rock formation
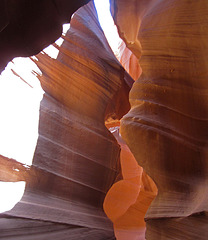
{"x":128,"y":199}
{"x":129,"y":61}
{"x":77,"y":159}
{"x":166,"y":128}
{"x":28,"y":26}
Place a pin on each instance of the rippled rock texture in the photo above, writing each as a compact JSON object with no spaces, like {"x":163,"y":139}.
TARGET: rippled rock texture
{"x":76,"y":159}
{"x":167,"y":126}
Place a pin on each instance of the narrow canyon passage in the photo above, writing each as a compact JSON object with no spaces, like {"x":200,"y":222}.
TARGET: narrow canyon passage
{"x":104,"y":140}
{"x":76,"y":159}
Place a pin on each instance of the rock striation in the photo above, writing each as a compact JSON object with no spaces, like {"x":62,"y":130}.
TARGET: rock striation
{"x":76,"y":165}
{"x":166,"y":128}
{"x":76,"y":159}
{"x":129,"y":61}
{"x":129,"y":198}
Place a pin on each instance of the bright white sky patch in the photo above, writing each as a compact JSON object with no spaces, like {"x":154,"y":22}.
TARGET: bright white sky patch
{"x":19,"y":109}
{"x":107,"y":24}
{"x":20,"y":98}
{"x":53,"y":51}
{"x":11,"y":193}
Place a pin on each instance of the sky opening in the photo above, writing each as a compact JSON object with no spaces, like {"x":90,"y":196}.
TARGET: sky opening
{"x":20,"y":96}
{"x":107,"y":24}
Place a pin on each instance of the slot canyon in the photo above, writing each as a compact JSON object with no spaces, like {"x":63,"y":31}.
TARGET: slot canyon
{"x":120,"y":146}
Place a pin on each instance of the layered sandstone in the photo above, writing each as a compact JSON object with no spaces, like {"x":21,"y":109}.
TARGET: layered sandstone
{"x":76,"y":159}
{"x":166,"y":128}
{"x":129,"y":61}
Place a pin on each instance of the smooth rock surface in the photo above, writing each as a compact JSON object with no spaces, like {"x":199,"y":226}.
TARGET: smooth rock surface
{"x":76,"y":159}
{"x":26,"y":229}
{"x":167,"y":126}
{"x":129,"y":61}
{"x":192,"y":227}
{"x":128,"y":199}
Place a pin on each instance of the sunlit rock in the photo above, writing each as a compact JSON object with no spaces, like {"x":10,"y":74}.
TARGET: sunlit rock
{"x":128,"y":199}
{"x":76,"y":159}
{"x":166,"y":128}
{"x":79,"y":168}
{"x":129,"y":61}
